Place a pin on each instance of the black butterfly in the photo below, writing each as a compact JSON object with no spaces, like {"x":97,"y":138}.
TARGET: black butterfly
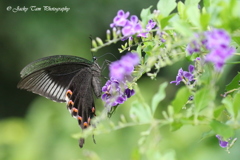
{"x":64,"y":78}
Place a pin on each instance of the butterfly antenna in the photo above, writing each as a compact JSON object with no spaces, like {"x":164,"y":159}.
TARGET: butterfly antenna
{"x":108,"y":54}
{"x":91,"y":47}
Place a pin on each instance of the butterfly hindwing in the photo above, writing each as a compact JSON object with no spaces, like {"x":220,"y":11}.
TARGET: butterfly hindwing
{"x":81,"y":97}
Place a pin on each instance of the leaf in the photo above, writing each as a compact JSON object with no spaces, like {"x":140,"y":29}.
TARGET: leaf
{"x":182,"y":10}
{"x":193,"y":15}
{"x":183,"y":27}
{"x":228,"y":104}
{"x":206,"y":3}
{"x":203,"y":97}
{"x":181,"y":99}
{"x":165,"y":21}
{"x":140,"y":113}
{"x":158,"y":97}
{"x":218,"y":111}
{"x":236,"y":36}
{"x":146,"y":15}
{"x":234,"y":83}
{"x":232,"y":104}
{"x":191,"y":2}
{"x":204,"y":20}
{"x":222,"y":129}
{"x":166,"y":6}
{"x":236,"y":102}
{"x":175,"y":126}
{"x":207,"y":134}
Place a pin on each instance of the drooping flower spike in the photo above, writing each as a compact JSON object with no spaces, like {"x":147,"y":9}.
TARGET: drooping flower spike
{"x":217,"y":43}
{"x":115,"y":90}
{"x":131,"y":26}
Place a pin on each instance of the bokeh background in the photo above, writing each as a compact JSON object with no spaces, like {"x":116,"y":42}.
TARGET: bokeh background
{"x":33,"y":127}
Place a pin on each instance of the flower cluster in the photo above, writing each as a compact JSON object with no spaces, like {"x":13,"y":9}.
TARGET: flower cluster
{"x":115,"y":93}
{"x":195,"y":45}
{"x":151,"y":24}
{"x":184,"y":76}
{"x":131,"y":26}
{"x":115,"y":90}
{"x":217,"y":43}
{"x":124,"y":67}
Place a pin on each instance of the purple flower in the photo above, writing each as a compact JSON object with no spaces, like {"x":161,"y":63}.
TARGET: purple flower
{"x":195,"y":45}
{"x":219,"y":55}
{"x":184,"y":75}
{"x":217,"y":38}
{"x":132,"y":26}
{"x":117,"y":70}
{"x":198,"y":59}
{"x":217,"y":42}
{"x":151,"y":24}
{"x":222,"y":143}
{"x":115,"y":93}
{"x":115,"y":90}
{"x":124,"y":67}
{"x":120,"y":19}
{"x":129,"y":92}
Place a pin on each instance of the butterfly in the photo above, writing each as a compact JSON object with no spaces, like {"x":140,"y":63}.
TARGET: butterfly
{"x":65,"y":78}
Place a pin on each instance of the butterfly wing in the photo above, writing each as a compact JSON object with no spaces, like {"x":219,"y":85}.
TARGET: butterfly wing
{"x":80,"y":101}
{"x":65,"y":79}
{"x":50,"y":76}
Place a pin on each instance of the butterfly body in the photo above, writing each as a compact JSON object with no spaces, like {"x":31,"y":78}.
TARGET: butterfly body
{"x":65,"y":78}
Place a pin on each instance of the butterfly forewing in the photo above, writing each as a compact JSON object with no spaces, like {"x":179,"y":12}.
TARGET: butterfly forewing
{"x":51,"y":77}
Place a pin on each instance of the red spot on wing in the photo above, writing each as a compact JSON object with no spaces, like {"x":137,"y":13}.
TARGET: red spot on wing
{"x":85,"y":124}
{"x":69,"y":93}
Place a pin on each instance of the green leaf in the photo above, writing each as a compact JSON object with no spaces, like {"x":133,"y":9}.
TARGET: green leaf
{"x":182,"y":10}
{"x":181,"y":99}
{"x":175,"y":126}
{"x":146,"y":15}
{"x":236,"y":102}
{"x":228,"y":104}
{"x":165,"y":21}
{"x":207,"y":134}
{"x":222,"y":129}
{"x":203,"y":97}
{"x":234,"y":84}
{"x":193,"y":15}
{"x":159,"y":96}
{"x":166,"y":6}
{"x":140,"y":112}
{"x":191,"y":2}
{"x":183,"y":27}
{"x":192,"y":57}
{"x":218,"y":111}
{"x":236,"y":36}
{"x":204,"y":20}
{"x":206,"y":3}
{"x":236,"y":39}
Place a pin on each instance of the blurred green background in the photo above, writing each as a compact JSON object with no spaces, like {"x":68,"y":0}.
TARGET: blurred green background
{"x":33,"y":127}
